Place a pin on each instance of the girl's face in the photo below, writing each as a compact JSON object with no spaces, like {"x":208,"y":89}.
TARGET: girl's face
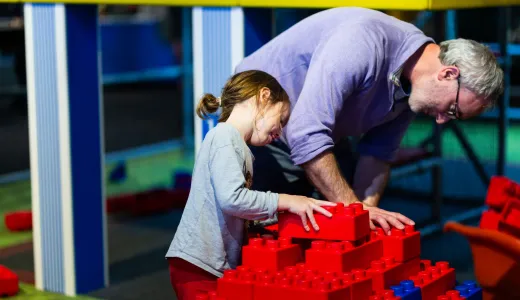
{"x":269,"y":124}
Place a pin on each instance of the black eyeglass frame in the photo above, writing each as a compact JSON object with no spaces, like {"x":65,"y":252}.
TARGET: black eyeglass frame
{"x":453,"y":112}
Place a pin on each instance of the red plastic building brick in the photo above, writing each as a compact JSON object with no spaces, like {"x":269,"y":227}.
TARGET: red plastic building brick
{"x":451,"y":295}
{"x":271,"y":254}
{"x":209,"y":296}
{"x":349,"y":223}
{"x":343,"y":256}
{"x":8,"y":282}
{"x":402,"y":245}
{"x":384,"y":295}
{"x":501,"y":189}
{"x":510,"y":218}
{"x":435,"y":281}
{"x":387,"y":272}
{"x":237,"y":284}
{"x":490,"y":219}
{"x":300,"y":286}
{"x":18,"y":221}
{"x":120,"y":203}
{"x":360,"y":284}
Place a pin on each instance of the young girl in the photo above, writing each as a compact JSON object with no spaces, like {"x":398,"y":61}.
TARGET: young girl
{"x":210,"y":235}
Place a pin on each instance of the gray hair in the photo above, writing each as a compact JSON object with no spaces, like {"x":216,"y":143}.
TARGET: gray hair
{"x":479,"y":69}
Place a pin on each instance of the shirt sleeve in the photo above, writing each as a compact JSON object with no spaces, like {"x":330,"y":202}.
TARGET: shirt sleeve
{"x":340,"y":66}
{"x":383,"y":141}
{"x":228,"y":180}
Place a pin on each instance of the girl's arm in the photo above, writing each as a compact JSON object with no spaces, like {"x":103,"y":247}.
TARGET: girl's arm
{"x":234,"y":198}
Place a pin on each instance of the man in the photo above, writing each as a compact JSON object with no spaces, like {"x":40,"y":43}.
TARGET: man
{"x":359,"y":73}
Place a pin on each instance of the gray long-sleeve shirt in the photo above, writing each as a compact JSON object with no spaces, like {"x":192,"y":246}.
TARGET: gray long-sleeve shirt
{"x":211,"y":230}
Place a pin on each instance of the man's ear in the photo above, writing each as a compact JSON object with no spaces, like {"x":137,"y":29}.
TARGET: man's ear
{"x":448,"y":73}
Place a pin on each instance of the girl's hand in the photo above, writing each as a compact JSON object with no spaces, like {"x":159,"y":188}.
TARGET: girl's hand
{"x":304,"y":207}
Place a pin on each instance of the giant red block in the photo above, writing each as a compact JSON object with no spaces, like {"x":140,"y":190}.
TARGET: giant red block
{"x":500,"y":191}
{"x":343,"y":256}
{"x":510,"y":218}
{"x":387,"y":272}
{"x":360,"y":284}
{"x":348,"y":223}
{"x":8,"y":282}
{"x":403,"y":244}
{"x":237,"y":284}
{"x":18,"y":221}
{"x":490,"y":219}
{"x":451,"y":295}
{"x":271,"y":254}
{"x":384,"y":295}
{"x":434,"y":281}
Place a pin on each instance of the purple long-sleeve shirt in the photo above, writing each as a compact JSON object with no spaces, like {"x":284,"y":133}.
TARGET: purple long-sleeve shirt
{"x":341,"y":69}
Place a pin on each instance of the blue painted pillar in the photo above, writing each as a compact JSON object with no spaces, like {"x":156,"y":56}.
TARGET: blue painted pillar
{"x":66,"y":147}
{"x":221,"y":38}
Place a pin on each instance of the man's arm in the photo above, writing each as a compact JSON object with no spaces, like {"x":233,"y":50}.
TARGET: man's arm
{"x":325,"y":175}
{"x":370,"y":179}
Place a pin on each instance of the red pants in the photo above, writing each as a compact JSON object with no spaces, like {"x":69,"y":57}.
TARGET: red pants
{"x":188,"y":280}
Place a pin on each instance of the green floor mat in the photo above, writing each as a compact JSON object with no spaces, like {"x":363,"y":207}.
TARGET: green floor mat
{"x":28,"y":291}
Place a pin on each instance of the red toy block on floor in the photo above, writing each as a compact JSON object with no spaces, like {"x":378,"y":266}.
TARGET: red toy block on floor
{"x":387,"y":272}
{"x":510,"y":218}
{"x":402,"y":245}
{"x":434,"y":281}
{"x":120,"y":203}
{"x":348,"y":223}
{"x":271,"y":254}
{"x":8,"y":282}
{"x":490,"y":219}
{"x":343,"y":256}
{"x":158,"y":201}
{"x":18,"y":221}
{"x":501,"y":190}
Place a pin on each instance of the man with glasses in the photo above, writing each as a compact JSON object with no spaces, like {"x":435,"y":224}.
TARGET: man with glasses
{"x":355,"y":73}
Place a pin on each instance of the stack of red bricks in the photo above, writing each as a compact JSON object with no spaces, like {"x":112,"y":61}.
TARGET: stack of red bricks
{"x":345,"y":260}
{"x":503,"y":200}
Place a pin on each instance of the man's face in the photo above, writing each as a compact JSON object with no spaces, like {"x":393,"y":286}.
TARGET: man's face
{"x":443,"y":98}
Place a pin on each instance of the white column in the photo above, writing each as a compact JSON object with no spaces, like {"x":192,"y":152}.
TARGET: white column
{"x":218,"y":46}
{"x":66,"y":147}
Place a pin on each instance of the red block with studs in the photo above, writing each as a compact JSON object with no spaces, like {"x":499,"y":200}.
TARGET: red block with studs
{"x":361,"y":284}
{"x":510,"y":218}
{"x":500,"y":191}
{"x":19,"y":220}
{"x":490,"y":219}
{"x":209,"y":296}
{"x":302,"y":287}
{"x":435,"y":280}
{"x":343,"y":256}
{"x":271,"y":254}
{"x":384,"y":295}
{"x":8,"y":282}
{"x":451,"y":295}
{"x":348,"y":223}
{"x":238,"y":284}
{"x":387,"y":272}
{"x":401,"y":244}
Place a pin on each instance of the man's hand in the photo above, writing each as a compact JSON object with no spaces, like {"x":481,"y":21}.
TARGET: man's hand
{"x":386,"y":219}
{"x":324,"y":173}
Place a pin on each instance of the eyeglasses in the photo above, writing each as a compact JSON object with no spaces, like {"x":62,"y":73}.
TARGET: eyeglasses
{"x":453,"y":111}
